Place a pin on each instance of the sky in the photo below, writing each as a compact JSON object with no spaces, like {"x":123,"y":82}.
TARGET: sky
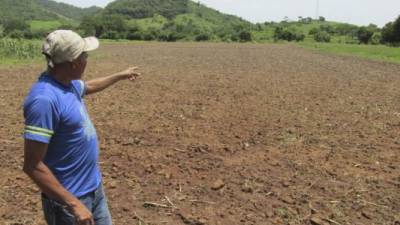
{"x":359,"y":12}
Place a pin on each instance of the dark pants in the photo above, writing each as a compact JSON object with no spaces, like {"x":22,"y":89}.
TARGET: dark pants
{"x":57,"y":214}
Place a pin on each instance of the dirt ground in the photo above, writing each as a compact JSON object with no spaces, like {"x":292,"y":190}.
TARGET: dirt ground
{"x":226,"y":134}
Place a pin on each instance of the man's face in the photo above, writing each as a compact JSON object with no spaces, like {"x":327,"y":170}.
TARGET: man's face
{"x":78,"y":66}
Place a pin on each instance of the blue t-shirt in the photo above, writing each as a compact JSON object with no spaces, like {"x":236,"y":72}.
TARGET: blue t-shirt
{"x":56,"y":114}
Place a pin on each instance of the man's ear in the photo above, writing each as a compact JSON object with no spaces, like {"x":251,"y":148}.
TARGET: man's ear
{"x":73,"y":64}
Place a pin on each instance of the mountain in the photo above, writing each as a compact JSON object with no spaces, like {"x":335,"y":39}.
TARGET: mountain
{"x":28,"y":10}
{"x":165,"y":20}
{"x":66,"y":10}
{"x":161,"y":20}
{"x":138,"y":9}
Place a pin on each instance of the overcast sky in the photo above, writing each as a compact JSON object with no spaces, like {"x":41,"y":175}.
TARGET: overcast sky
{"x":360,"y":12}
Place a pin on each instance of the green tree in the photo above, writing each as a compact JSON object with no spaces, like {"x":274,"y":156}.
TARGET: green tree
{"x":391,"y":32}
{"x":364,"y":35}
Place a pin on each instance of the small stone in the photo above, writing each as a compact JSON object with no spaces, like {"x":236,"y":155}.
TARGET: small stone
{"x":317,"y":221}
{"x":202,"y":221}
{"x":165,"y":173}
{"x":247,"y":189}
{"x":113,"y":184}
{"x":269,"y":214}
{"x":285,"y":184}
{"x":218,"y":184}
{"x":366,"y":215}
{"x":287,"y":199}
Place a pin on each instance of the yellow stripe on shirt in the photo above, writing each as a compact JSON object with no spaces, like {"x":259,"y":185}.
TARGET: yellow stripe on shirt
{"x":38,"y":133}
{"x":38,"y":129}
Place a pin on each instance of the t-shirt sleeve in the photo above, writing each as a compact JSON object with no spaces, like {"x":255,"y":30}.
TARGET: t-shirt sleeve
{"x":41,"y":119}
{"x":80,"y":86}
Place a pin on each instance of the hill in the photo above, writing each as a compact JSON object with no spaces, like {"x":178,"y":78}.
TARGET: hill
{"x":138,"y":9}
{"x":165,"y":20}
{"x":45,"y":10}
{"x":35,"y":18}
{"x":67,"y":11}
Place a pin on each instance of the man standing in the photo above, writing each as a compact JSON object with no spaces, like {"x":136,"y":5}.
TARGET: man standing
{"x":61,"y":147}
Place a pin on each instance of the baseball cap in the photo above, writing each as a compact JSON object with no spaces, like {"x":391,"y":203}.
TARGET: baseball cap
{"x":66,"y":45}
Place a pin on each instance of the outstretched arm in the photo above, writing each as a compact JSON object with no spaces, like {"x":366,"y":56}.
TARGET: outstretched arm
{"x":102,"y":83}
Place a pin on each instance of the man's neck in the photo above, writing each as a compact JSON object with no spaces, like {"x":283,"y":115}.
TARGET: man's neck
{"x":60,"y":77}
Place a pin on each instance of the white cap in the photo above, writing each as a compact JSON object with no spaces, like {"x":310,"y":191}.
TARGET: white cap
{"x":65,"y":46}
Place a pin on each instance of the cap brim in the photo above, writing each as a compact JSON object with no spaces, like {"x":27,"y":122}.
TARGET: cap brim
{"x":91,"y":43}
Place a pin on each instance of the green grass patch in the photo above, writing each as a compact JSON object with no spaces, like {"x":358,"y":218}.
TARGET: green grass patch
{"x":23,"y":51}
{"x":38,"y":25}
{"x":19,"y":51}
{"x":375,"y":52}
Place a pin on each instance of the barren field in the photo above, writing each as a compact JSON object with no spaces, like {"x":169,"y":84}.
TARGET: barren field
{"x":229,"y":134}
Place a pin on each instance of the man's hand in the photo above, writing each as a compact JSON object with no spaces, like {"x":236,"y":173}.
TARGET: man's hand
{"x":129,"y":74}
{"x":82,"y":215}
{"x":34,"y":167}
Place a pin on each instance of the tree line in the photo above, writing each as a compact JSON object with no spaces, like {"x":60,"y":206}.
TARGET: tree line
{"x":192,"y":27}
{"x":371,"y":34}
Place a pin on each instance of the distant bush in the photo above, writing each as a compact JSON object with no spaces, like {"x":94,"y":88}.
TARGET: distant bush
{"x":16,"y":34}
{"x":307,"y":20}
{"x":364,"y":35}
{"x":346,"y":29}
{"x":313,"y":31}
{"x":39,"y":34}
{"x":245,"y":36}
{"x":15,"y":24}
{"x":109,"y":35}
{"x":288,"y":34}
{"x":322,"y":36}
{"x":376,"y":39}
{"x":328,"y":28}
{"x":202,"y":37}
{"x":133,"y":36}
{"x":350,"y":40}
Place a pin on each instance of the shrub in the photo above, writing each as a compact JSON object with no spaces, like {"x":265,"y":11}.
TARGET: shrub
{"x":16,"y":34}
{"x":322,"y":36}
{"x":133,"y":36}
{"x":202,"y":37}
{"x":15,"y":25}
{"x":245,"y":36}
{"x":376,"y":39}
{"x":364,"y":35}
{"x":288,"y":34}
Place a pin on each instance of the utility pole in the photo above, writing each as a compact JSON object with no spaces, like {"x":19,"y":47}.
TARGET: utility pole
{"x":317,"y":11}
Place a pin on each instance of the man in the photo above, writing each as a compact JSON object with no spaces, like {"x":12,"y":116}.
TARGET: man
{"x":61,"y":147}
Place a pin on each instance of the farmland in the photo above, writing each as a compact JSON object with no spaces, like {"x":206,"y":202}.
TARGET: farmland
{"x":227,"y":134}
